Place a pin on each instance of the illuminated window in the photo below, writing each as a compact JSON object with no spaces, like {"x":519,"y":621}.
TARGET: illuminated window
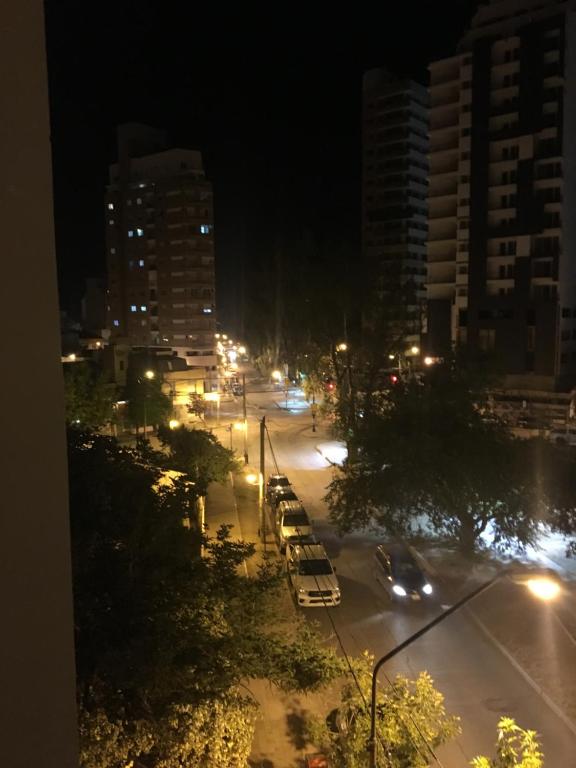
{"x":205,"y":229}
{"x":138,"y":201}
{"x":110,"y":206}
{"x":110,"y":221}
{"x":130,"y":233}
{"x":140,"y":232}
{"x":112,"y":251}
{"x":133,"y":308}
{"x":140,"y":262}
{"x":207,"y":310}
{"x":143,"y":308}
{"x":116,"y":323}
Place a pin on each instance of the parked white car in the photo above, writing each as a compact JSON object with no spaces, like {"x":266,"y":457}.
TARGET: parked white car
{"x":292,"y":523}
{"x":563,"y":435}
{"x":311,"y":575}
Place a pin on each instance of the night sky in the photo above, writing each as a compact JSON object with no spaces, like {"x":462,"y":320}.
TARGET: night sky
{"x":269,"y":93}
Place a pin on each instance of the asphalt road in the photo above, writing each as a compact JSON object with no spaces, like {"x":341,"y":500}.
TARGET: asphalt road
{"x":478,"y":681}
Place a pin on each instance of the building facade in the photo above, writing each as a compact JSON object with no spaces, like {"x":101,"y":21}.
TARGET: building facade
{"x":394,"y":186}
{"x":502,"y":235}
{"x":160,"y":249}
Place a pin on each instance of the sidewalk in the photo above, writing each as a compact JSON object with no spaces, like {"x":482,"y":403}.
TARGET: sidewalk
{"x":278,"y":739}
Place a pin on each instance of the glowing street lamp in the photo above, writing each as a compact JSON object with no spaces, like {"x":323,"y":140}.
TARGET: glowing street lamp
{"x":242,"y":350}
{"x":543,"y":587}
{"x":428,"y":360}
{"x":414,"y":350}
{"x":149,"y":375}
{"x":173,"y":423}
{"x":277,"y":375}
{"x":342,"y":347}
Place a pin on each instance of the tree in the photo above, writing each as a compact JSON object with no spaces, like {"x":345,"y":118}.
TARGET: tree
{"x":147,"y":404}
{"x":515,"y":748}
{"x":160,"y":631}
{"x":197,"y":405}
{"x":429,"y":453}
{"x":89,"y":398}
{"x":410,"y":718}
{"x":199,"y":454}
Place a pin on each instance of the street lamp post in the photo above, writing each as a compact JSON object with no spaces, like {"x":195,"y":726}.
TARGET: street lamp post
{"x":543,"y":588}
{"x":148,"y":375}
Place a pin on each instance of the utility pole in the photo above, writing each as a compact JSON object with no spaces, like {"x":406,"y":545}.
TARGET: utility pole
{"x":245,"y":418}
{"x":313,"y":409}
{"x":261,"y":510}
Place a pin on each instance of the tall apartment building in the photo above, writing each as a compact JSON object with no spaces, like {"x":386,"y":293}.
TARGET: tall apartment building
{"x":395,"y":185}
{"x":160,"y":248}
{"x":502,"y":196}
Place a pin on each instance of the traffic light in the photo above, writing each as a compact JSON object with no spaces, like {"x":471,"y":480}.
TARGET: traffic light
{"x":393,"y":379}
{"x":330,"y":385}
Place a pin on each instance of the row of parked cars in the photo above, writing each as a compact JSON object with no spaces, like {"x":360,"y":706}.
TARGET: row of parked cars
{"x":312,"y":576}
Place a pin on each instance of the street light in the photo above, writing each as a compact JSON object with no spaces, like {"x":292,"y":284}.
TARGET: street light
{"x":173,"y":423}
{"x":277,"y":375}
{"x":414,"y":350}
{"x":342,"y":347}
{"x":149,"y":375}
{"x":542,"y":587}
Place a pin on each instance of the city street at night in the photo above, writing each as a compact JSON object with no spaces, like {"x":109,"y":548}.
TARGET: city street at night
{"x":480,"y":678}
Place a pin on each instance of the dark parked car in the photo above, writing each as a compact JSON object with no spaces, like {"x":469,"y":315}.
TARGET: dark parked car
{"x":276,"y":483}
{"x":399,"y":573}
{"x":282,"y":494}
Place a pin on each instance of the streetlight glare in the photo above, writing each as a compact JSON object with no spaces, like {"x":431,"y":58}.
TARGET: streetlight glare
{"x":543,"y":588}
{"x":428,"y":361}
{"x":149,"y":374}
{"x":252,"y":479}
{"x":173,"y":423}
{"x":277,"y":375}
{"x":415,"y":350}
{"x":239,"y":426}
{"x":390,"y":357}
{"x":342,"y":347}
{"x":242,"y":350}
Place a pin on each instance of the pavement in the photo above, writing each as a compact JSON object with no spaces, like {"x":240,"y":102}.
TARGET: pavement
{"x":279,"y":739}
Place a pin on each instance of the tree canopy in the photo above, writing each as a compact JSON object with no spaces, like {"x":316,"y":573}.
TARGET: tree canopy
{"x":515,"y":748}
{"x":164,"y":635}
{"x":89,"y":398}
{"x":411,"y":719}
{"x":198,"y":453}
{"x":430,"y":457}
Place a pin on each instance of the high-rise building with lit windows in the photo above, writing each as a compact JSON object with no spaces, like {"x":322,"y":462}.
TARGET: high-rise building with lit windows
{"x":394,"y":187}
{"x":160,"y":248}
{"x":502,"y":195}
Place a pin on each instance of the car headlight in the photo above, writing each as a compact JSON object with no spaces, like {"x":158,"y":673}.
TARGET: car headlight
{"x":337,"y":590}
{"x":398,"y":590}
{"x":301,"y":591}
{"x":427,"y":589}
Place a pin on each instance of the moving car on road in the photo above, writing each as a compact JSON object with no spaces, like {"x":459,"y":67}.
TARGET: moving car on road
{"x":292,"y":523}
{"x":311,"y":575}
{"x":275,"y":483}
{"x":398,"y":572}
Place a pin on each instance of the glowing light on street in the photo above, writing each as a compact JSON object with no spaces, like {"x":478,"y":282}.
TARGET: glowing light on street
{"x":342,"y":347}
{"x":239,"y":426}
{"x":277,"y":375}
{"x":72,"y":356}
{"x":414,"y":350}
{"x":543,"y":588}
{"x":390,"y":357}
{"x":149,"y":375}
{"x":212,"y":397}
{"x":428,"y":361}
{"x":242,"y":350}
{"x":252,"y":479}
{"x":173,"y":423}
